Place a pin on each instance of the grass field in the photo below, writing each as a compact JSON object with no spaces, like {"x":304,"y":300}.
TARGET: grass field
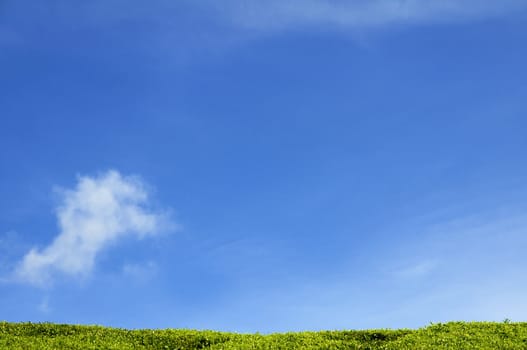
{"x":453,"y":335}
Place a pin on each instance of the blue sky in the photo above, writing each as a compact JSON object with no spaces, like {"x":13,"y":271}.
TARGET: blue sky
{"x":263,"y":165}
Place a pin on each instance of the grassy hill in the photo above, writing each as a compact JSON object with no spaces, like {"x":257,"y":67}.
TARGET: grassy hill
{"x":453,"y":335}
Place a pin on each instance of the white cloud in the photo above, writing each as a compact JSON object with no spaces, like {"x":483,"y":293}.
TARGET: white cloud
{"x":278,"y":14}
{"x":98,"y":212}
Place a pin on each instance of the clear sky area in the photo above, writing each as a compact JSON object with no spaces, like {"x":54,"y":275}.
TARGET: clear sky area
{"x":263,"y":166}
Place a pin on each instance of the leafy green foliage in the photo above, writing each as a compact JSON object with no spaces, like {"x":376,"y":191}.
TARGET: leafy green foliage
{"x":453,"y":335}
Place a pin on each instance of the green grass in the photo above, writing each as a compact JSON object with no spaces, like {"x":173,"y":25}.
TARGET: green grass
{"x":453,"y":335}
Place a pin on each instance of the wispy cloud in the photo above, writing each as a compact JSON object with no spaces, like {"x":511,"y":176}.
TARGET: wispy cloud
{"x":467,"y":265}
{"x":277,"y":14}
{"x":140,"y":273}
{"x":417,"y":270}
{"x":179,"y":29}
{"x":44,"y":306}
{"x":95,"y":214}
{"x":8,"y":37}
{"x":11,"y":247}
